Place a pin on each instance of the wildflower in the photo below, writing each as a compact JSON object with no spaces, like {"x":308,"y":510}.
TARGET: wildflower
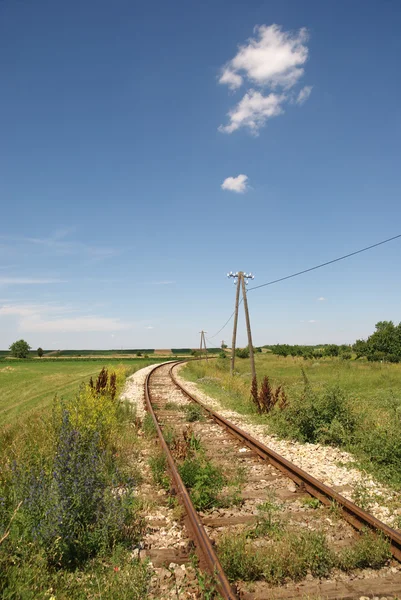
{"x":116,"y":569}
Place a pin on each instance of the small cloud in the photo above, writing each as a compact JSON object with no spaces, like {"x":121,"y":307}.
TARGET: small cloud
{"x":149,"y":327}
{"x":253,"y":111}
{"x":236,"y":184}
{"x":321,"y":299}
{"x":312,"y":321}
{"x":164,"y":282}
{"x":304,"y":94}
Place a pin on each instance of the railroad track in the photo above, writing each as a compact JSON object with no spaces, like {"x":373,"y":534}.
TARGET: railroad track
{"x":262,"y":494}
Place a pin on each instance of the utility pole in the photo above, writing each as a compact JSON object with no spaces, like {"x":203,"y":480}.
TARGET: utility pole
{"x":241,"y":280}
{"x":235,"y":324}
{"x":203,"y":342}
{"x":248,"y":328}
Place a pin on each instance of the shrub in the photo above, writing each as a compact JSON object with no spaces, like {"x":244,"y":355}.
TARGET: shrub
{"x":242,"y":352}
{"x":316,"y":417}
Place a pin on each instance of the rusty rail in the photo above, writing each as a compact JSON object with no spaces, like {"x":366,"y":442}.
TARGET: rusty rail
{"x":357,"y":517}
{"x":203,"y":544}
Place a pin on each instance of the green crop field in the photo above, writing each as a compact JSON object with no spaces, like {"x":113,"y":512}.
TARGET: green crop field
{"x":26,"y":385}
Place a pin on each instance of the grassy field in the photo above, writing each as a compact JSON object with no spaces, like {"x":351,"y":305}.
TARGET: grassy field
{"x":349,"y":403}
{"x":27,"y":385}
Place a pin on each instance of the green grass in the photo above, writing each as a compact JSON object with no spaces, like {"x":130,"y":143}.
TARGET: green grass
{"x":353,"y":404}
{"x":27,"y":385}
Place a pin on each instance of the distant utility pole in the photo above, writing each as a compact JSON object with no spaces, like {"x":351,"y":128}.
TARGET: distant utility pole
{"x":203,"y":343}
{"x":241,"y":280}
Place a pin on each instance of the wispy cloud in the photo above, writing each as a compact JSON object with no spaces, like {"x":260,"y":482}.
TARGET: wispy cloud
{"x":29,"y":280}
{"x":236,"y":184}
{"x":271,"y":60}
{"x":304,"y":94}
{"x":312,"y":321}
{"x":321,"y":299}
{"x":61,"y":243}
{"x":163,"y":282}
{"x":149,"y":327}
{"x":51,"y":318}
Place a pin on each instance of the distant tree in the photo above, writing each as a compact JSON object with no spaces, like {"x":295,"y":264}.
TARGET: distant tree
{"x":360,"y":348}
{"x":223,"y":346}
{"x":40,"y":352}
{"x":331,"y":350}
{"x":20,"y":349}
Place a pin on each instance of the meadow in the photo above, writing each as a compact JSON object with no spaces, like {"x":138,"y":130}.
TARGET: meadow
{"x":29,"y":385}
{"x":353,"y":404}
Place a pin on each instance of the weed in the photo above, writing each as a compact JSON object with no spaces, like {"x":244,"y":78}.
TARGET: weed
{"x":362,"y":495}
{"x":194,"y":413}
{"x":148,"y":426}
{"x":158,"y":466}
{"x":172,"y":406}
{"x":370,"y":550}
{"x":239,"y":560}
{"x":335,"y":510}
{"x":204,"y":481}
{"x":311,"y":503}
{"x":267,"y":523}
{"x":291,"y":557}
{"x":169,"y":436}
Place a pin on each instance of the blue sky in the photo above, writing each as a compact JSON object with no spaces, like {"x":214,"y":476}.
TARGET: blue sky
{"x":148,"y":148}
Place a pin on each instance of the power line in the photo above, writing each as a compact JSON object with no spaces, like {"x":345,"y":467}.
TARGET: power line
{"x":330,"y":262}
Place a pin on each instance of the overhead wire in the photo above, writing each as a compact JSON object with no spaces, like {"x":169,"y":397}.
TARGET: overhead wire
{"x":329,"y":262}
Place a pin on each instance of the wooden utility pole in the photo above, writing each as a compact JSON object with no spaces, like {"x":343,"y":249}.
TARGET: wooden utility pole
{"x":235,"y":324}
{"x":203,"y":343}
{"x":248,"y":327}
{"x":240,"y":279}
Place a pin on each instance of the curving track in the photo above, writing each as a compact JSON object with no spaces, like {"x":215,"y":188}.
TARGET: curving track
{"x":159,"y":385}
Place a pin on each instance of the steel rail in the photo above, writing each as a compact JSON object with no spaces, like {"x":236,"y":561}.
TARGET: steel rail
{"x":202,"y":541}
{"x":357,"y":517}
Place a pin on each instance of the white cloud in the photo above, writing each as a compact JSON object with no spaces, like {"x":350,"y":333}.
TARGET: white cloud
{"x":236,"y":184}
{"x":163,"y":282}
{"x":321,"y":299}
{"x":312,"y":321}
{"x":273,"y":57}
{"x":304,"y":94}
{"x":28,"y":281}
{"x":272,"y":60}
{"x":149,"y":327}
{"x":253,"y":111}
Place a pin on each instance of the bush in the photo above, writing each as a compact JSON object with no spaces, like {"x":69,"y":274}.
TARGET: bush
{"x":323,"y":417}
{"x":242,"y":352}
